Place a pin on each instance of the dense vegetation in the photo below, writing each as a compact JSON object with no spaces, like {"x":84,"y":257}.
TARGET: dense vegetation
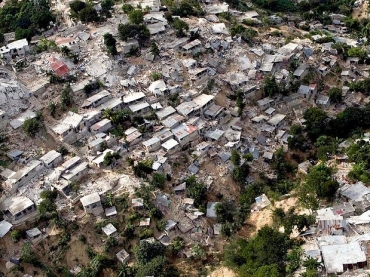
{"x":25,"y":18}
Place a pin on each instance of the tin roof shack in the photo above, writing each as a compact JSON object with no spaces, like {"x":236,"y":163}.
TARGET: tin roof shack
{"x":137,"y":203}
{"x":193,"y":47}
{"x":214,"y":112}
{"x":323,"y":101}
{"x":22,"y":176}
{"x":133,"y":137}
{"x":92,"y":203}
{"x":102,"y":126}
{"x":140,"y":108}
{"x":164,"y":113}
{"x":185,"y":134}
{"x":173,"y":121}
{"x":188,"y":109}
{"x":354,"y":193}
{"x":96,"y":100}
{"x":109,"y":230}
{"x":89,"y":118}
{"x":307,"y":91}
{"x":123,"y":256}
{"x":152,"y":144}
{"x":301,"y":71}
{"x":129,"y":45}
{"x":14,"y":154}
{"x":115,"y":104}
{"x":171,"y":147}
{"x":265,"y":103}
{"x":329,"y":222}
{"x":33,"y":233}
{"x":133,"y":98}
{"x":18,"y":208}
{"x":277,"y":120}
{"x":5,"y":227}
{"x":67,"y":129}
{"x":204,"y":101}
{"x":211,"y":210}
{"x":76,"y":172}
{"x":343,"y":257}
{"x":51,"y":159}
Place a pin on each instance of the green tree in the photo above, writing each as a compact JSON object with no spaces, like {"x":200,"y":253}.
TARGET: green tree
{"x":31,"y":126}
{"x":110,"y":157}
{"x":2,"y":37}
{"x":110,"y":43}
{"x":77,"y":6}
{"x":270,"y":87}
{"x":320,"y":181}
{"x":268,"y":247}
{"x":127,"y":8}
{"x":268,"y":270}
{"x":16,"y":235}
{"x":235,"y":158}
{"x":240,"y":174}
{"x":335,"y":95}
{"x":107,"y":5}
{"x":316,"y":122}
{"x":180,"y":26}
{"x":129,"y":31}
{"x":136,"y":17}
{"x":52,"y":108}
{"x":146,"y":251}
{"x":154,"y":48}
{"x":196,"y":190}
{"x":66,"y":99}
{"x":158,"y":180}
{"x":88,"y":14}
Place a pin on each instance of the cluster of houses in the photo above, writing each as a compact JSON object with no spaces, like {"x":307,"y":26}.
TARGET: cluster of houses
{"x":188,"y":107}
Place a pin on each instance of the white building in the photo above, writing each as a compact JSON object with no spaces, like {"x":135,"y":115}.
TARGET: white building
{"x":15,"y":48}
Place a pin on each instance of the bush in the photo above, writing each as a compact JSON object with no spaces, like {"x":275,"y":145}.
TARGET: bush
{"x":110,"y":157}
{"x":136,"y":17}
{"x":31,"y":126}
{"x":110,"y":43}
{"x":16,"y":235}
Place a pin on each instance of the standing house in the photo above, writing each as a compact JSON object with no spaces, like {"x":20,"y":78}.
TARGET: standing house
{"x":17,"y":208}
{"x":307,"y":91}
{"x":23,"y":175}
{"x":173,"y":120}
{"x":75,"y":173}
{"x":193,"y":47}
{"x":33,"y":233}
{"x":69,"y":126}
{"x":214,"y":111}
{"x":204,"y":101}
{"x":171,"y":147}
{"x":96,"y":100}
{"x":140,"y":108}
{"x":92,"y":203}
{"x":264,"y":103}
{"x":89,"y":118}
{"x":323,"y":100}
{"x":133,"y":137}
{"x":102,"y":126}
{"x":152,"y":144}
{"x":15,"y":48}
{"x":114,"y":104}
{"x":133,"y":98}
{"x":188,"y":109}
{"x":277,"y":120}
{"x":342,"y":257}
{"x":185,"y":134}
{"x":162,"y":114}
{"x":301,"y":71}
{"x":51,"y":159}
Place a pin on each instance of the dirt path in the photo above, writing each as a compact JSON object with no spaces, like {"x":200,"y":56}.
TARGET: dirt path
{"x":222,"y":272}
{"x":362,"y":11}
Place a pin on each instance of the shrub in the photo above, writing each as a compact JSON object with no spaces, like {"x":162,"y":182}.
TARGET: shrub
{"x":31,"y":126}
